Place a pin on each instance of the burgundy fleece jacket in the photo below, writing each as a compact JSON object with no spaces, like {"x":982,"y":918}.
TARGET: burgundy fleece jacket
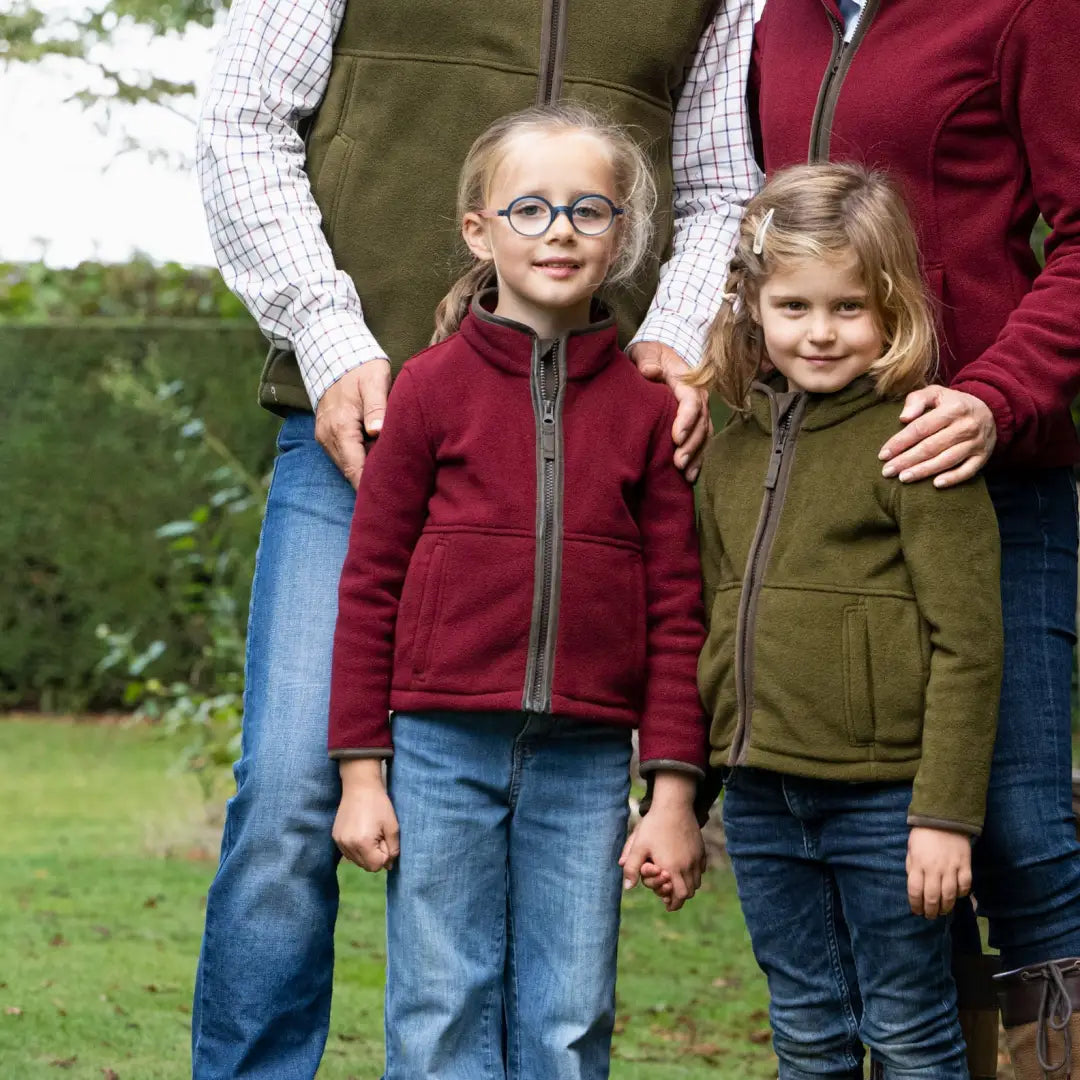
{"x":974,"y":107}
{"x":437,"y":596}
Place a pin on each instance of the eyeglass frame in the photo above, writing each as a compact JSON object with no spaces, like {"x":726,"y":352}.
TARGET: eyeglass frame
{"x":554,"y":212}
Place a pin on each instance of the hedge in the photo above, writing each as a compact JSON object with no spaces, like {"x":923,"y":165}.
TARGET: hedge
{"x":85,"y":480}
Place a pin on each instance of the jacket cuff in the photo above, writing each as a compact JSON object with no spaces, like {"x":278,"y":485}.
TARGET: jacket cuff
{"x":670,"y":765}
{"x":997,"y":403}
{"x":350,"y":754}
{"x":917,"y":821}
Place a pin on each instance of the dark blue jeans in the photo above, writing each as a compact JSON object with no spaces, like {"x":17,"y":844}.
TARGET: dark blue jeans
{"x":1027,"y":864}
{"x":820,"y":871}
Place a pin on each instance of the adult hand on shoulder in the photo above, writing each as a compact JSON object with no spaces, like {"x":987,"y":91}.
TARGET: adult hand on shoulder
{"x":949,"y":435}
{"x":351,"y":407}
{"x":660,"y":363}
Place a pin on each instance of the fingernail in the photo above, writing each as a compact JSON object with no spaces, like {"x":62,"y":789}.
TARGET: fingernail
{"x":627,"y":883}
{"x":884,"y":455}
{"x":889,"y":470}
{"x":906,"y":475}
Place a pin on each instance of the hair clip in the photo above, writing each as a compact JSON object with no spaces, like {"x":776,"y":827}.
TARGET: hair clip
{"x":759,"y":236}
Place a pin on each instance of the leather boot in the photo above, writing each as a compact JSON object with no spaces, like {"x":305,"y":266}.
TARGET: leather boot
{"x":1040,"y":1007}
{"x":977,"y":1006}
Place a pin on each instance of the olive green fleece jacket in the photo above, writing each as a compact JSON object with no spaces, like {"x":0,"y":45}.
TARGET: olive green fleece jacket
{"x":854,"y":621}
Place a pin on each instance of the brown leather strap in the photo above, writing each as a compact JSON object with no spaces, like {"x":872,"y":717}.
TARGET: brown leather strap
{"x":1023,"y":991}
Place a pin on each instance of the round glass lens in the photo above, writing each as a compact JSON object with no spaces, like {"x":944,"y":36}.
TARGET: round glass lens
{"x":592,"y":215}
{"x":530,"y":217}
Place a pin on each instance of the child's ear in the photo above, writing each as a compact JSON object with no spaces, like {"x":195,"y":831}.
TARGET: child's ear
{"x":475,"y":234}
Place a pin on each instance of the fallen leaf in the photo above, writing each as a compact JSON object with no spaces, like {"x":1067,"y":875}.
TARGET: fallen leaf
{"x":64,"y":1063}
{"x":720,"y":984}
{"x":150,"y":988}
{"x":110,"y":1074}
{"x":760,"y":1037}
{"x":151,"y":901}
{"x":58,"y":941}
{"x":13,"y":1010}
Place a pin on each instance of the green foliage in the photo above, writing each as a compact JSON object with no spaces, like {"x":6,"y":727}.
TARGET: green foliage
{"x":29,"y":35}
{"x":87,"y":481}
{"x":31,"y":292}
{"x":207,"y":572}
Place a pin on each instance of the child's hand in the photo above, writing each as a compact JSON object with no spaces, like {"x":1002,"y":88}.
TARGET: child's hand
{"x":366,"y":827}
{"x":668,"y":839}
{"x":938,"y":870}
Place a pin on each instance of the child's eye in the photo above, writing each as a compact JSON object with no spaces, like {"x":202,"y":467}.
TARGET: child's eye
{"x":794,"y":305}
{"x":851,"y":306}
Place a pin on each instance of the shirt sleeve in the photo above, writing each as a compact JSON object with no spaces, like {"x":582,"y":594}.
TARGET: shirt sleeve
{"x":271,"y":70}
{"x":715,"y":176}
{"x":1031,"y":374}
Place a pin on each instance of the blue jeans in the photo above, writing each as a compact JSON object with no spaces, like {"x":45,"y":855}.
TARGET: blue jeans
{"x":1027,"y":863}
{"x":820,"y":872}
{"x":503,"y":907}
{"x":262,"y":993}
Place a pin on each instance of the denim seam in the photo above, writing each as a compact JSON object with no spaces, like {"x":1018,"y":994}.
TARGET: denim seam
{"x":828,"y":900}
{"x":513,"y":1033}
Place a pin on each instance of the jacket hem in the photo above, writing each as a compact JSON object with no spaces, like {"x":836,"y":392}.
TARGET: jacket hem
{"x":867,"y":771}
{"x":509,"y":701}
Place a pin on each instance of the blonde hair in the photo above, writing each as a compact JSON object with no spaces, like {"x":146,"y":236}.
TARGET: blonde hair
{"x":824,"y":212}
{"x":635,"y":192}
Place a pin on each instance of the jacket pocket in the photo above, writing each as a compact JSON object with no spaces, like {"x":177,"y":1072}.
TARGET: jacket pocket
{"x":716,"y":665}
{"x":600,"y":654}
{"x":427,"y":609}
{"x":858,"y":678}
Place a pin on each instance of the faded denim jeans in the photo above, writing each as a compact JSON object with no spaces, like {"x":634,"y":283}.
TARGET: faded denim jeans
{"x":503,"y":908}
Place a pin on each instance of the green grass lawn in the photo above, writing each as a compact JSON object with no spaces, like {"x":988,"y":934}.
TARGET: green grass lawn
{"x":105,"y":859}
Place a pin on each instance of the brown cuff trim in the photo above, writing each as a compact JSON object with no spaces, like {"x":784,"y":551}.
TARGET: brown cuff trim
{"x":670,"y":765}
{"x":918,"y":821}
{"x":356,"y":755}
{"x":1022,"y":991}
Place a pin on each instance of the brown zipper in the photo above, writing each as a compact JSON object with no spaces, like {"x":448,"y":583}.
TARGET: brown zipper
{"x":787,"y":417}
{"x":552,"y":52}
{"x":839,"y":63}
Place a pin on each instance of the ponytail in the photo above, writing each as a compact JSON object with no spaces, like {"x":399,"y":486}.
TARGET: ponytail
{"x":454,"y":306}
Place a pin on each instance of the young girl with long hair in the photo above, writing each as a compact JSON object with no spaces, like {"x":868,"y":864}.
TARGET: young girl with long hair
{"x":522,"y":588}
{"x":853,"y":658}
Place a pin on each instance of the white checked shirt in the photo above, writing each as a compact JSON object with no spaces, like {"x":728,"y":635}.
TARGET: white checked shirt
{"x":272,"y":69}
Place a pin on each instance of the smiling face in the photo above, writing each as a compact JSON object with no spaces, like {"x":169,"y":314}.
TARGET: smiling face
{"x":547,"y":282}
{"x":818,"y":329}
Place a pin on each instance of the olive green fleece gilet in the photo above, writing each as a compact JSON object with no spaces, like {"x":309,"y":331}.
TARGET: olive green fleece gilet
{"x":854,"y":622}
{"x":412,"y":85}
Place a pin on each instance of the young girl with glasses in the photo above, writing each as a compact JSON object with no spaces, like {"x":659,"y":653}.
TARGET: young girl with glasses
{"x":522,"y":589}
{"x":853,"y":658}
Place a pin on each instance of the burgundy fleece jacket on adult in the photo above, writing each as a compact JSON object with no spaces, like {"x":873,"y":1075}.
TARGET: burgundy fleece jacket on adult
{"x":437,"y":593}
{"x":974,"y":107}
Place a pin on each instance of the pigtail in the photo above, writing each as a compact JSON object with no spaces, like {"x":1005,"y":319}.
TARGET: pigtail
{"x":454,"y":306}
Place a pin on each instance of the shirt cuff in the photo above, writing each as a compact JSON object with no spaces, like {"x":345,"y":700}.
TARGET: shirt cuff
{"x":997,"y":403}
{"x":330,"y":345}
{"x":684,"y":333}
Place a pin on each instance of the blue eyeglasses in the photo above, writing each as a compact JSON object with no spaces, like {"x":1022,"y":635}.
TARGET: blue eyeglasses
{"x":533,"y":215}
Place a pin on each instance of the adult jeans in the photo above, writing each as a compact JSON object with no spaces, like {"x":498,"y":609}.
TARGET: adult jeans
{"x":262,"y":992}
{"x":503,"y":906}
{"x":1027,"y":863}
{"x":820,"y":870}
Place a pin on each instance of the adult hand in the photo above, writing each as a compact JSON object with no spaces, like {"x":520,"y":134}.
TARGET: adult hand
{"x":660,"y":363}
{"x":950,"y":436}
{"x":351,"y":407}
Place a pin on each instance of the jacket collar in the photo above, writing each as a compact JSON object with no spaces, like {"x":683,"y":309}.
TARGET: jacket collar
{"x":770,"y":397}
{"x":511,"y":345}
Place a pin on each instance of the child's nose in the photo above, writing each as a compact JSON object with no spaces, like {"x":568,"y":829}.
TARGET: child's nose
{"x":821,"y":328}
{"x":561,"y":228}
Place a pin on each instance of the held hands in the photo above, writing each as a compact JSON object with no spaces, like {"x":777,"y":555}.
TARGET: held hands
{"x":659,"y":363}
{"x":950,"y":436}
{"x":353,"y":405}
{"x":938,"y":870}
{"x":366,"y":827}
{"x":666,"y":850}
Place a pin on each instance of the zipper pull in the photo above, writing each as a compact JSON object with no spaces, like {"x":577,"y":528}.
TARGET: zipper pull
{"x":548,"y":431}
{"x":774,"y":466}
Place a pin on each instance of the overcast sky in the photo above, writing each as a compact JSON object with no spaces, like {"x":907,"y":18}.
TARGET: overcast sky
{"x":65,"y":183}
